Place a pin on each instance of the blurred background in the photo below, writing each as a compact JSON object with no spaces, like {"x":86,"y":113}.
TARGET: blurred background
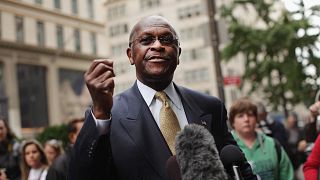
{"x":265,"y":49}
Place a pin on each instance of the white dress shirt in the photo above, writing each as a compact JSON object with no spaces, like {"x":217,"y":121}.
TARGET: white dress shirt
{"x":154,"y":106}
{"x":38,"y":174}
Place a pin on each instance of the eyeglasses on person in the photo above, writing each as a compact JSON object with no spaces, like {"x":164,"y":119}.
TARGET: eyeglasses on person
{"x":149,"y":40}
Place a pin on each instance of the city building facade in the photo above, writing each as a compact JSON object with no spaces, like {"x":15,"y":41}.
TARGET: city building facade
{"x":45,"y":47}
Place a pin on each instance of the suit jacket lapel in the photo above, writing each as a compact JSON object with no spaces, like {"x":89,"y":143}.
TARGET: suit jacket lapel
{"x":193,"y":112}
{"x":144,"y":131}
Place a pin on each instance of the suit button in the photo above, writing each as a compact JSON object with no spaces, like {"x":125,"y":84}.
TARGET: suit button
{"x":90,"y":154}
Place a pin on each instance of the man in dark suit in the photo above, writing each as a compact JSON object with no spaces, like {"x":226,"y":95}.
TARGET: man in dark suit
{"x":123,"y":137}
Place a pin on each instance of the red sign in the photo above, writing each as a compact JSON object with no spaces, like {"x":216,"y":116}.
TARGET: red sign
{"x":232,"y":80}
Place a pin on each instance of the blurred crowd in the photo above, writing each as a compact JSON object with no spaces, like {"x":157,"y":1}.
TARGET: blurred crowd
{"x":275,"y":149}
{"x":31,"y":160}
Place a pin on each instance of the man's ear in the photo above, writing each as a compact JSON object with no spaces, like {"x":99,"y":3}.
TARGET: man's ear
{"x":129,"y":54}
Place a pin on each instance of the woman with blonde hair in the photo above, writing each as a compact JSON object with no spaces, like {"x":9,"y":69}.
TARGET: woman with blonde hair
{"x":34,"y":164}
{"x":53,"y":148}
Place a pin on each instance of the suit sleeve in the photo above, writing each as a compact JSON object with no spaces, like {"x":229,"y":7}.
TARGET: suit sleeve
{"x":91,"y":157}
{"x":53,"y":174}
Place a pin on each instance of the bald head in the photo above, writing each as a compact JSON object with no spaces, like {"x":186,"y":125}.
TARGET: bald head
{"x":150,"y":21}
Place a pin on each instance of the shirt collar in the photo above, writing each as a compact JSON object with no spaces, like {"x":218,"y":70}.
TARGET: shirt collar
{"x":148,"y":94}
{"x":258,"y":142}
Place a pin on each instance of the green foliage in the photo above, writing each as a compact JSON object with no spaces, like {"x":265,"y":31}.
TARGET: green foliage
{"x":58,"y":132}
{"x":277,"y":56}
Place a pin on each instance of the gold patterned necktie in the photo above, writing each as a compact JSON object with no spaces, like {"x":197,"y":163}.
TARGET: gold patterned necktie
{"x":169,"y":124}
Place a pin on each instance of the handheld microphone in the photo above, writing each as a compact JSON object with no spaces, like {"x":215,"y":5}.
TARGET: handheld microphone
{"x":172,"y":169}
{"x":197,"y":154}
{"x":232,"y":157}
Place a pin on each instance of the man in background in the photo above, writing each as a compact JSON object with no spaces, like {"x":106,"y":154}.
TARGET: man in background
{"x":59,"y":169}
{"x":271,"y":127}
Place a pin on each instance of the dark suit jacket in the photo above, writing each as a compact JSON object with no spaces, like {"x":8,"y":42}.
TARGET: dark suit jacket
{"x":134,"y":148}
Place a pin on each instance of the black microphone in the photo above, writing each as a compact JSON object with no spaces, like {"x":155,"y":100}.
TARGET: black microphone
{"x":232,"y":157}
{"x":172,"y":169}
{"x":197,"y":154}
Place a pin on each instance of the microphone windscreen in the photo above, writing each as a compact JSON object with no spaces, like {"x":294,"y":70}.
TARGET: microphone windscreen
{"x":231,"y":155}
{"x":172,"y":169}
{"x":197,"y":154}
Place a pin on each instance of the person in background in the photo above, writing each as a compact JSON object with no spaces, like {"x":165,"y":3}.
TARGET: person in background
{"x":295,"y":135}
{"x":9,"y":152}
{"x":266,"y":156}
{"x":271,"y":127}
{"x":274,"y":129}
{"x":312,"y":165}
{"x":131,"y":135}
{"x":34,"y":164}
{"x":312,"y":127}
{"x":53,"y":148}
{"x":59,"y":169}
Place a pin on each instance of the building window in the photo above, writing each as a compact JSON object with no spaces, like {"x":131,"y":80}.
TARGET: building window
{"x":59,"y":34}
{"x":38,"y":1}
{"x":197,"y":75}
{"x":119,"y":49}
{"x":57,"y":4}
{"x":19,"y":29}
{"x":192,"y":54}
{"x":189,"y":12}
{"x":32,"y":95}
{"x":90,"y":8}
{"x":40,"y":33}
{"x":73,"y":94}
{"x":93,"y":37}
{"x":146,"y":4}
{"x":3,"y":97}
{"x":75,"y":6}
{"x":77,"y":40}
{"x":188,"y":54}
{"x":191,"y":33}
{"x":116,"y":12}
{"x":118,"y":29}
